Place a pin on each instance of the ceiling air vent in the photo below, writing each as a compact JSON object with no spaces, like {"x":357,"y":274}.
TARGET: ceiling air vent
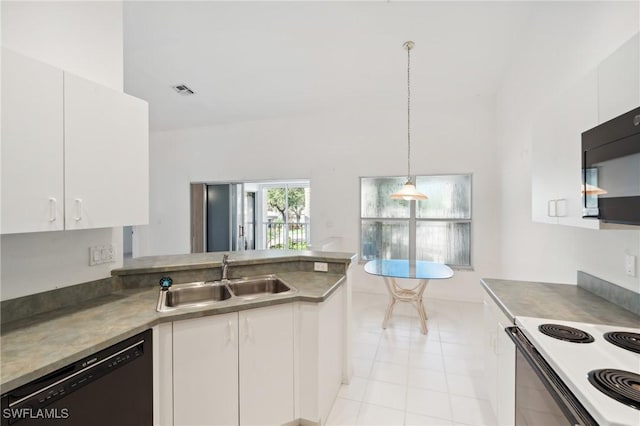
{"x":183,"y":90}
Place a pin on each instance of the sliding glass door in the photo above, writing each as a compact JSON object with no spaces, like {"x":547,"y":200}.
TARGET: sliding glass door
{"x":286,"y":216}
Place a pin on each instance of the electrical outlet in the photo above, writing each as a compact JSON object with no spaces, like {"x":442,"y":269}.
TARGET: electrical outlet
{"x":630,"y":265}
{"x":320,"y":266}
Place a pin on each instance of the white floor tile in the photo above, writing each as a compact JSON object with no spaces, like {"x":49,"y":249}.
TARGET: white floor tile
{"x":426,"y":360}
{"x":400,"y":326}
{"x":389,"y":338}
{"x":462,"y":351}
{"x":471,"y":385}
{"x":429,"y":346}
{"x":343,"y":413}
{"x":354,"y":390}
{"x":472,"y":411}
{"x":387,"y":372}
{"x":427,"y":379}
{"x":385,"y":394}
{"x":367,"y":337}
{"x":418,"y":420}
{"x":401,"y":376}
{"x":393,"y":355}
{"x":362,"y":367}
{"x":364,"y":350}
{"x":464,"y":365}
{"x":375,"y":415}
{"x":428,"y":403}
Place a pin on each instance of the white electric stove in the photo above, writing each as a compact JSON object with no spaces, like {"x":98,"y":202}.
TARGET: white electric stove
{"x":588,"y":353}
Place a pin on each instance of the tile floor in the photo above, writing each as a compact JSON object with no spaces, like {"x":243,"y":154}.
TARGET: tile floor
{"x":402,"y":377}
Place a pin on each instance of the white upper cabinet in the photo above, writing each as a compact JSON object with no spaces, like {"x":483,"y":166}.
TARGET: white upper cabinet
{"x":608,"y":91}
{"x":619,"y":81}
{"x":32,"y":145}
{"x":74,"y":153}
{"x":556,"y":154}
{"x":106,"y":156}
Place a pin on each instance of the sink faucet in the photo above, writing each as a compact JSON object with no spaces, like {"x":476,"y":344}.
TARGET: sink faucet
{"x":225,"y":267}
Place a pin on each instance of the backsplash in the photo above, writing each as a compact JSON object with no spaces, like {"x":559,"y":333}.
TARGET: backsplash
{"x":34,"y":304}
{"x":620,"y":296}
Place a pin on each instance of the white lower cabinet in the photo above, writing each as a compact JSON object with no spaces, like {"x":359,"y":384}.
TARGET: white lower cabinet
{"x":205,"y":371}
{"x":500,"y":363}
{"x":266,"y":365}
{"x":234,"y":369}
{"x":322,"y":345}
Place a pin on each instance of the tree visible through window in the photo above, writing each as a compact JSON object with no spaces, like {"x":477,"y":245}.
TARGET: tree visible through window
{"x":287,"y":224}
{"x":442,"y":223}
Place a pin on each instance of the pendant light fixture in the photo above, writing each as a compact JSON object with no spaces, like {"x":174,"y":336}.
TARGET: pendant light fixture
{"x":408,"y":190}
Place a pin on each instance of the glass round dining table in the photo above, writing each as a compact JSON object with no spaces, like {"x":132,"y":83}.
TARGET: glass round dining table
{"x":423,"y":271}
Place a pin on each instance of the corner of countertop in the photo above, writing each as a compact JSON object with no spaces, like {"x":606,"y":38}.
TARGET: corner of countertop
{"x":486,"y":283}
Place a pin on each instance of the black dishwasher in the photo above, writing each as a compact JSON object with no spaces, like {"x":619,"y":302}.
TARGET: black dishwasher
{"x":111,"y":387}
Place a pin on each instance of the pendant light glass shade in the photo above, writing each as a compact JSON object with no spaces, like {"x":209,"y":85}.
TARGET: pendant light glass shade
{"x":592,"y":190}
{"x":408,"y":191}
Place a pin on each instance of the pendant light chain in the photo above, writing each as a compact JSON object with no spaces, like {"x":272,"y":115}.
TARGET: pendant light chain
{"x":408,"y":192}
{"x":409,"y":46}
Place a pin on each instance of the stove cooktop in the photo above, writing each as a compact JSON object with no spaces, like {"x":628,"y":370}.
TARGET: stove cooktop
{"x":574,"y":362}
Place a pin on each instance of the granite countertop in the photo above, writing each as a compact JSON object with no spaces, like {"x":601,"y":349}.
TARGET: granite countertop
{"x":192,"y":261}
{"x":565,"y":302}
{"x":38,"y":345}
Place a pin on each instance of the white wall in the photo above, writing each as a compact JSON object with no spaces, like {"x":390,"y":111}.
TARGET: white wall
{"x":564,"y":42}
{"x":333,"y":151}
{"x":84,"y":38}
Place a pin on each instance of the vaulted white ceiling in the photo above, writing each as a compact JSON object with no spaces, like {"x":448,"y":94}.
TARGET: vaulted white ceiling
{"x":259,"y":60}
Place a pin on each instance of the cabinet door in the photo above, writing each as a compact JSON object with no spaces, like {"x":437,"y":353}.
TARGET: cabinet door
{"x":205,"y":371}
{"x":506,"y":380}
{"x":266,"y":365}
{"x":619,"y":81}
{"x":106,"y":156}
{"x":32,"y":145}
{"x":577,"y":111}
{"x":544,"y":170}
{"x":490,"y":354}
{"x":330,"y":351}
{"x":500,"y":367}
{"x":557,"y":152}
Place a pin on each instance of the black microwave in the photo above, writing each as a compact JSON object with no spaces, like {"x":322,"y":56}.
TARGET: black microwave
{"x":611,"y":170}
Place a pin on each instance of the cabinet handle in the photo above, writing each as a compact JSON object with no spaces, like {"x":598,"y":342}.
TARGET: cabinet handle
{"x":247,"y":328}
{"x":53,"y":210}
{"x":230,"y":331}
{"x":78,"y":202}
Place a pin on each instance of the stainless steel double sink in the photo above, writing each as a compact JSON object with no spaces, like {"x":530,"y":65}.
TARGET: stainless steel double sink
{"x":200,"y":294}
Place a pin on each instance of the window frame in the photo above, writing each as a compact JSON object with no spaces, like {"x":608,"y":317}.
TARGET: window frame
{"x":412,"y":221}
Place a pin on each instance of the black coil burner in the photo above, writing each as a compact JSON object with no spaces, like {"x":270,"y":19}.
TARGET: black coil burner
{"x":620,"y":385}
{"x":624,"y":339}
{"x":566,"y":333}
